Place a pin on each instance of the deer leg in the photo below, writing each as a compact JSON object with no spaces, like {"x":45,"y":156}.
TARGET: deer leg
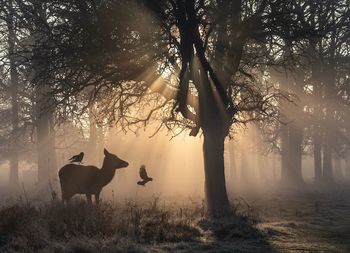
{"x":89,"y":200}
{"x":97,"y":198}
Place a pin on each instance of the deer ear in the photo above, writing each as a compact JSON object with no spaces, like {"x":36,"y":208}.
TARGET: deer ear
{"x":105,"y":152}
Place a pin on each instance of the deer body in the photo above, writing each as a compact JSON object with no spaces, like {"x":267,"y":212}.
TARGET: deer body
{"x":88,"y":180}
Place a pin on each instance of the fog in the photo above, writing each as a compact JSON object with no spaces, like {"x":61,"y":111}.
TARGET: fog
{"x":174,"y":162}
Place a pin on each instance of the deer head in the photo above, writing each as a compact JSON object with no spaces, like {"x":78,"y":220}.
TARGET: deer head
{"x":112,"y":161}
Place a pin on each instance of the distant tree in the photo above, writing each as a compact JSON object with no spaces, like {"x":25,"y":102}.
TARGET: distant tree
{"x":10,"y":84}
{"x":329,"y":61}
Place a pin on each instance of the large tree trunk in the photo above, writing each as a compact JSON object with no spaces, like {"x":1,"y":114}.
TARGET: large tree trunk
{"x":13,"y":180}
{"x":214,"y":113}
{"x":215,"y":186}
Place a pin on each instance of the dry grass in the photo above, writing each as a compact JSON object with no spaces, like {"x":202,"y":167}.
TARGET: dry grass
{"x":286,"y":223}
{"x":123,"y":227}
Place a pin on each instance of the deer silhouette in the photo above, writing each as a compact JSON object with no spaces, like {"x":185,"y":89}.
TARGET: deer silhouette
{"x":88,"y":180}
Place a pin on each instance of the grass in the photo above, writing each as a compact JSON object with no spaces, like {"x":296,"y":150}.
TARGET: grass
{"x":121,"y":227}
{"x":272,"y":223}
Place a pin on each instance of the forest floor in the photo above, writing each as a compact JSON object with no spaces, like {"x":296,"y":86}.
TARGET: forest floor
{"x":304,"y":222}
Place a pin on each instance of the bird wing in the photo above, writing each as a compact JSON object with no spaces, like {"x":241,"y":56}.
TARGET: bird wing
{"x":143,"y":173}
{"x":73,"y":157}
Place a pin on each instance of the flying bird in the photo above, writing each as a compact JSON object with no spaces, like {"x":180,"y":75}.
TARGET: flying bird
{"x":145,"y":178}
{"x":77,"y":158}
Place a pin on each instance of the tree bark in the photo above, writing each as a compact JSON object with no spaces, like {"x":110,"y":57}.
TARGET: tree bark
{"x":14,"y":179}
{"x":215,"y":184}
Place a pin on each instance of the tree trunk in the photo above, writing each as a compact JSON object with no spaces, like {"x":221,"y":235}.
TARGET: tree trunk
{"x":92,"y":150}
{"x":317,"y":130}
{"x":261,"y":166}
{"x":45,"y":145}
{"x":284,"y":153}
{"x":347,"y":167}
{"x":100,"y":144}
{"x":47,"y":162}
{"x":327,"y":158}
{"x":338,"y":173}
{"x":13,"y":180}
{"x":273,"y":158}
{"x":295,"y":154}
{"x":291,"y":138}
{"x":215,"y":186}
{"x":317,"y":153}
{"x":329,"y":140}
{"x":244,"y":166}
{"x":215,"y":123}
{"x":233,"y":168}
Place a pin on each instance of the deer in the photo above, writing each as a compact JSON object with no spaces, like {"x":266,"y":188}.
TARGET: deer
{"x":88,"y":180}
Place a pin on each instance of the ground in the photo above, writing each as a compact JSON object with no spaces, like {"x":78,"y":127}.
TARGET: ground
{"x":278,"y":222}
{"x":306,"y":223}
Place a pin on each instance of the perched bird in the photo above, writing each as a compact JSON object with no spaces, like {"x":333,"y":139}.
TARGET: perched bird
{"x":77,"y":158}
{"x":145,"y":178}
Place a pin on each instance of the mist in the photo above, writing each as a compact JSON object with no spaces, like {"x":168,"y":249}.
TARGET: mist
{"x":174,"y":126}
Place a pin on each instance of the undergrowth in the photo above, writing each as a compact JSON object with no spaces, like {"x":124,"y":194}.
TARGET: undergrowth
{"x":78,"y":227}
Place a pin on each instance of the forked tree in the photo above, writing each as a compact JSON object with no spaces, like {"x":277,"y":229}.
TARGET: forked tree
{"x":219,"y":51}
